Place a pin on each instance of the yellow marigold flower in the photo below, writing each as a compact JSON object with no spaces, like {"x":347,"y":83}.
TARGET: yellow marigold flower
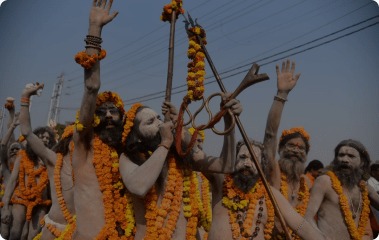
{"x":200,"y":55}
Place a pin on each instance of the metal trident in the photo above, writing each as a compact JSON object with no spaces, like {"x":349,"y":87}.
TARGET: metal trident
{"x":252,"y":75}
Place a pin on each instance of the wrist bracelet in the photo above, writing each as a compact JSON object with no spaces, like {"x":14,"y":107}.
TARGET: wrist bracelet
{"x":24,"y":104}
{"x":162,"y":145}
{"x":25,"y":100}
{"x":280,"y":99}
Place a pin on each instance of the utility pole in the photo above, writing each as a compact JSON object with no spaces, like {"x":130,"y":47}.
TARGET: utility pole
{"x":54,"y":103}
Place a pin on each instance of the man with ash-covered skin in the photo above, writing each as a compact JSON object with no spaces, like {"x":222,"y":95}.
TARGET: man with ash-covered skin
{"x":340,"y":198}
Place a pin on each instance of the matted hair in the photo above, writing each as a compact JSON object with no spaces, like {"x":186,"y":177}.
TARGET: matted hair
{"x":365,"y":157}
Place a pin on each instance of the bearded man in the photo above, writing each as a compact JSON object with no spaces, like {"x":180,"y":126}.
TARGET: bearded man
{"x":27,"y":189}
{"x":8,"y":154}
{"x":62,"y":202}
{"x":294,"y":185}
{"x":163,"y":184}
{"x":241,"y":206}
{"x":103,"y":210}
{"x":340,"y":197}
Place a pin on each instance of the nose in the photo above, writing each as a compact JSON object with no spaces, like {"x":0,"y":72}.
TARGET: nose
{"x":108,"y":114}
{"x":247,"y":162}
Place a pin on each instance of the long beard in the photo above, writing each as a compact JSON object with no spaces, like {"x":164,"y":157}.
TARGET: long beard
{"x":151,"y":143}
{"x":293,"y":169}
{"x":348,"y":176}
{"x":110,"y":136}
{"x":245,"y":182}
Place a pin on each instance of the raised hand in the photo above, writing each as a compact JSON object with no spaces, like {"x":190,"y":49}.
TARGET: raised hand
{"x":234,"y":105}
{"x":286,"y":78}
{"x":9,"y":104}
{"x":100,"y":13}
{"x":32,"y":89}
{"x":168,"y":107}
{"x":6,"y":215}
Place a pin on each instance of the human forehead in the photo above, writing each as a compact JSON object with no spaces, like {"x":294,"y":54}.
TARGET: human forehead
{"x":107,"y":105}
{"x":146,"y":114}
{"x":15,"y":145}
{"x":44,"y":134}
{"x":244,"y":150}
{"x":349,"y":150}
{"x":296,"y":141}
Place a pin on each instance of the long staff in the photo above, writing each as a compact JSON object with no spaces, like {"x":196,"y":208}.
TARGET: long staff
{"x":170,"y":69}
{"x":244,"y":135}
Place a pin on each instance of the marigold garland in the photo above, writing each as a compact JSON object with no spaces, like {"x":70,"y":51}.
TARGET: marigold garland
{"x":196,"y":67}
{"x":299,"y":130}
{"x":68,"y":216}
{"x":236,"y":200}
{"x":68,"y":231}
{"x":157,"y":227}
{"x":201,"y":133}
{"x":302,"y":196}
{"x":191,"y":208}
{"x":175,"y":5}
{"x":118,"y":209}
{"x":113,"y":97}
{"x":129,"y":122}
{"x":355,"y":233}
{"x":88,"y":61}
{"x":29,"y":192}
{"x":205,"y":206}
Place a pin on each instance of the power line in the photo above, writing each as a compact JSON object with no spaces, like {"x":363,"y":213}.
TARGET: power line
{"x":149,"y":96}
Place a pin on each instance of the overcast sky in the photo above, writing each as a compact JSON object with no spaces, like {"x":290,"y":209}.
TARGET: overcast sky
{"x":335,"y":45}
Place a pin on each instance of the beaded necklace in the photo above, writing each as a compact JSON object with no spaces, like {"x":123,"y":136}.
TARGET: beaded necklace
{"x":354,"y":231}
{"x":241,"y":208}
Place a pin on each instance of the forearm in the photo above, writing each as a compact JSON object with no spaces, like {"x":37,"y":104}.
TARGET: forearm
{"x":25,"y":125}
{"x":91,"y":82}
{"x":9,"y":189}
{"x":270,"y":137}
{"x":142,"y":178}
{"x":8,"y":135}
{"x":228,"y":152}
{"x":11,"y":117}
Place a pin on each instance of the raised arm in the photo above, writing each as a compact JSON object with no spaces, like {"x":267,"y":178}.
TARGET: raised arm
{"x":10,"y":131}
{"x":9,"y":189}
{"x":139,"y":179}
{"x":38,"y":147}
{"x":98,"y":18}
{"x":286,"y":81}
{"x":9,"y":105}
{"x":5,"y":171}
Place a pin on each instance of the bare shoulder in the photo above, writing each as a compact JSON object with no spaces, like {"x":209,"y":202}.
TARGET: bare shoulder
{"x":322,"y":181}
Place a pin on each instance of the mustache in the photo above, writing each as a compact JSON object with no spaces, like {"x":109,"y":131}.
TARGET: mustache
{"x":342,"y":166}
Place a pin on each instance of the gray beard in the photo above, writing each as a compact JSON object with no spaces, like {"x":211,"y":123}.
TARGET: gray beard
{"x":245,"y":182}
{"x":293,"y":169}
{"x":348,"y":179}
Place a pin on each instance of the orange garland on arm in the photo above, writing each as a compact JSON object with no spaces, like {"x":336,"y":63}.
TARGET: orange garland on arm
{"x":87,"y":61}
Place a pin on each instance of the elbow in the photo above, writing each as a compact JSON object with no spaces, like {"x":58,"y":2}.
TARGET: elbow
{"x":137,"y":190}
{"x":93,"y":88}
